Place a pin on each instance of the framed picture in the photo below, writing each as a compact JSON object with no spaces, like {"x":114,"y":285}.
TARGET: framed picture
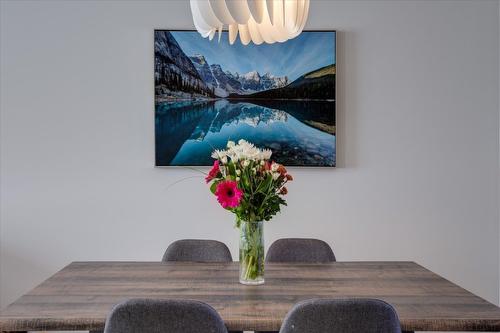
{"x":279,"y":96}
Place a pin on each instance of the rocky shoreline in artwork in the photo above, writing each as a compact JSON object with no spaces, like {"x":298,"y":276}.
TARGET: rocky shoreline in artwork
{"x":313,"y":154}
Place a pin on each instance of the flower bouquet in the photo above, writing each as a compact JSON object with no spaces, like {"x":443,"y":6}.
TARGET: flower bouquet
{"x":247,"y":183}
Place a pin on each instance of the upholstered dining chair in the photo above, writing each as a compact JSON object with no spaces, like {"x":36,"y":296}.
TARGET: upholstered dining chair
{"x":166,"y":316}
{"x":300,"y":250}
{"x":305,"y":250}
{"x":198,"y":250}
{"x":341,"y":316}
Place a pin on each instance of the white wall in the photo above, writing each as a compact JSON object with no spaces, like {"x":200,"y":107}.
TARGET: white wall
{"x":418,"y":142}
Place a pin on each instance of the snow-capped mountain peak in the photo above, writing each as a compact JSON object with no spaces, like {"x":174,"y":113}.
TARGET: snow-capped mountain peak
{"x":227,"y":82}
{"x":253,"y":75}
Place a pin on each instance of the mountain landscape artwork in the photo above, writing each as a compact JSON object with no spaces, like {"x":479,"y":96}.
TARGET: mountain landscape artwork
{"x":278,"y":96}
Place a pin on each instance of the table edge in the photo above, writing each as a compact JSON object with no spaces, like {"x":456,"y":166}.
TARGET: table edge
{"x":54,"y":324}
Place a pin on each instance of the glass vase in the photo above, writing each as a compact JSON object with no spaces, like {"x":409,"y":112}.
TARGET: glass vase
{"x":252,"y":253}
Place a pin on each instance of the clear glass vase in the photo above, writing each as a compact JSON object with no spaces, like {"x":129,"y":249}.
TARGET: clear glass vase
{"x":252,"y":253}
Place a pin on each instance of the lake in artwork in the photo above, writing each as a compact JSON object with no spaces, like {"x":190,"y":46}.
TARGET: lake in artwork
{"x":200,"y":105}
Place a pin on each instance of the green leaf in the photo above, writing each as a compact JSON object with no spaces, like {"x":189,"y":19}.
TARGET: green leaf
{"x":231,"y":170}
{"x":213,"y":187}
{"x":264,"y":185}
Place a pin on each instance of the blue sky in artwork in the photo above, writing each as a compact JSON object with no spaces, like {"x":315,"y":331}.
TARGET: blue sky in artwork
{"x":309,"y":51}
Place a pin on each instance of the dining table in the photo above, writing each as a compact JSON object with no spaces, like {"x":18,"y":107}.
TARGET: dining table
{"x":81,"y":295}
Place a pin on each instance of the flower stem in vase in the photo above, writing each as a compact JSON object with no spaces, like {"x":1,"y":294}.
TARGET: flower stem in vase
{"x":251,"y":253}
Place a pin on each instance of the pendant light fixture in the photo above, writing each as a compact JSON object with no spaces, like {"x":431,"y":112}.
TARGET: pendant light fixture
{"x":257,"y":21}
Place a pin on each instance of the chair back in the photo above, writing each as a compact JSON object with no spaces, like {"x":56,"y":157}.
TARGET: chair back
{"x":198,"y":250}
{"x":300,"y":250}
{"x":164,"y":316}
{"x":341,"y":316}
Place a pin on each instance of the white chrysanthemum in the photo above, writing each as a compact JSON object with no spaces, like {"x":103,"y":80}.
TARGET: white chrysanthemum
{"x":234,"y":155}
{"x":242,"y":151}
{"x":274,"y":167}
{"x":265,"y":154}
{"x":253,"y":154}
{"x":218,"y":154}
{"x":244,"y":147}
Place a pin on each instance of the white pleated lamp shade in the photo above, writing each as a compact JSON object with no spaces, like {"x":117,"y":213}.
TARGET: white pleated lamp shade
{"x":257,"y":21}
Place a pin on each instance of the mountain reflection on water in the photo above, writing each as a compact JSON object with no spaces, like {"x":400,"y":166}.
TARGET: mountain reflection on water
{"x":188,"y":131}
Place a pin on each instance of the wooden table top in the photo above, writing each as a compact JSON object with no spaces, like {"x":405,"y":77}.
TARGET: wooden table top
{"x":80,"y":296}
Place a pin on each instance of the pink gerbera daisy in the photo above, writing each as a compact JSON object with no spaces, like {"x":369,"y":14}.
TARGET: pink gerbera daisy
{"x":228,"y":194}
{"x":213,"y":172}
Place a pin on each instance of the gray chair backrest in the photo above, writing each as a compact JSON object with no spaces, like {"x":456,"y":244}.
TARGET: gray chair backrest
{"x":163,"y":316}
{"x":199,"y":250}
{"x":341,"y":316}
{"x":300,"y":250}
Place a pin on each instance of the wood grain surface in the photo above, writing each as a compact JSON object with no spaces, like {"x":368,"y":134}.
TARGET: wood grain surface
{"x":80,"y":296}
